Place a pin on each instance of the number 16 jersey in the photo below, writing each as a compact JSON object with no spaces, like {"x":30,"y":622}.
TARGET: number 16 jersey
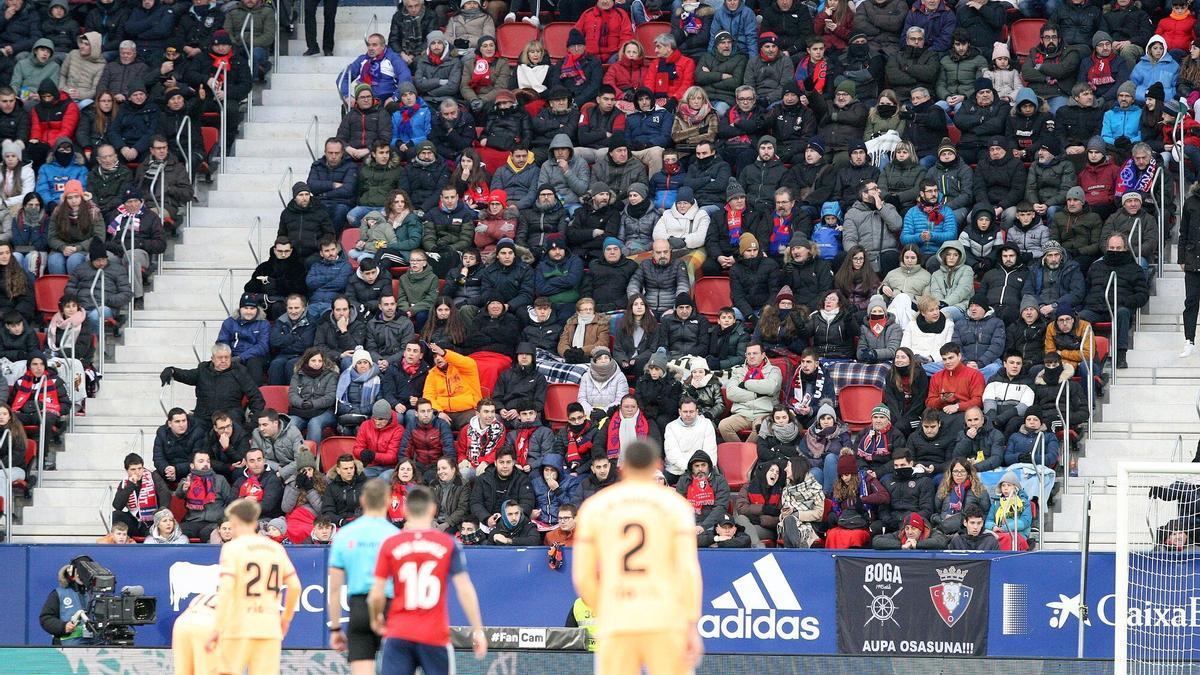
{"x":420,"y":563}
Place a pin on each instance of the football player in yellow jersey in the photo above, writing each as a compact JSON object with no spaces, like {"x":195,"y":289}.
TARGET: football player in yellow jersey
{"x":635,"y":544}
{"x":254,"y":571}
{"x":190,"y":633}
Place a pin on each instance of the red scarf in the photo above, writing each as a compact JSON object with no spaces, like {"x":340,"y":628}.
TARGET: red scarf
{"x":143,"y":502}
{"x":733,"y":223}
{"x":410,"y":370}
{"x":217,"y":60}
{"x":481,"y":74}
{"x":522,"y":444}
{"x":641,"y":427}
{"x":933,"y":212}
{"x":570,"y":69}
{"x":435,"y":59}
{"x":1101,"y":72}
{"x":753,"y":373}
{"x":700,"y":493}
{"x":877,"y":325}
{"x":201,"y":491}
{"x":579,"y":449}
{"x":781,"y":232}
{"x":736,"y":115}
{"x":251,"y":488}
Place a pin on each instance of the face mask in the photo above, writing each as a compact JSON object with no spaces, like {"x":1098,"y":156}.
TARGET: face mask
{"x":904,"y":474}
{"x":64,"y":157}
{"x":577,"y":427}
{"x":33,"y":213}
{"x":885,"y":110}
{"x":903,"y":370}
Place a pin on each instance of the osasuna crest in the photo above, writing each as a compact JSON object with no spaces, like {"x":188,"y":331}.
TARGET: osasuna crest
{"x":951,"y":597}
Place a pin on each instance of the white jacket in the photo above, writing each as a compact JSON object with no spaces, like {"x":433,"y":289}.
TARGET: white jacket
{"x":681,"y":442}
{"x":592,"y":395}
{"x":691,"y":227}
{"x":928,"y":345}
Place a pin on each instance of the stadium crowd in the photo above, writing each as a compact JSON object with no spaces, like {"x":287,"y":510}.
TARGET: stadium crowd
{"x":713,"y":232}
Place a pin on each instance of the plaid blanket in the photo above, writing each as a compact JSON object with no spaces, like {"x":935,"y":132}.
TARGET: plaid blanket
{"x":557,"y":371}
{"x":846,"y":373}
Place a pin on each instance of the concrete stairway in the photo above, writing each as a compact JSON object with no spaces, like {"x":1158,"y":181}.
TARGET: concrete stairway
{"x":184,"y":308}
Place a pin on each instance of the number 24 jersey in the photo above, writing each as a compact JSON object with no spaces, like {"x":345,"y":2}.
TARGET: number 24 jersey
{"x":420,"y":563}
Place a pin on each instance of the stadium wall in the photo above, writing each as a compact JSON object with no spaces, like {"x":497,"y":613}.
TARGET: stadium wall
{"x":755,"y":601}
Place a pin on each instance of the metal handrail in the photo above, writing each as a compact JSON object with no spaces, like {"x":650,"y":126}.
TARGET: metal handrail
{"x":1042,"y":505}
{"x":249,"y":47}
{"x":1197,"y":402}
{"x":201,"y":334}
{"x":226,"y":280}
{"x":106,"y":513}
{"x":1177,"y":135}
{"x":278,"y":31}
{"x":371,"y":27}
{"x":1160,"y":184}
{"x":314,"y":129}
{"x":8,"y":490}
{"x":169,"y":387}
{"x":69,"y":356}
{"x":1064,"y":414}
{"x":1110,"y":299}
{"x":101,"y":308}
{"x":1135,"y":235}
{"x":40,"y":402}
{"x":223,"y":103}
{"x":187,"y":156}
{"x":343,"y":76}
{"x":1177,"y":449}
{"x":285,"y":179}
{"x":255,"y":234}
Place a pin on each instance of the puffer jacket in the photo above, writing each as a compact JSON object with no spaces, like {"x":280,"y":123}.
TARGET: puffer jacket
{"x":885,"y":343}
{"x":768,"y":78}
{"x":506,"y":129}
{"x":569,"y":185}
{"x":690,"y":227}
{"x":659,"y":284}
{"x":437,"y":82}
{"x":1079,"y":233}
{"x":386,"y":339}
{"x":361,"y":128}
{"x":249,"y":339}
{"x":321,"y":178}
{"x":1048,"y":184}
{"x":1123,"y":223}
{"x":958,"y":74}
{"x":899,"y":183}
{"x":310,"y":396}
{"x":376,"y":182}
{"x":305,"y":226}
{"x":833,"y":339}
{"x":151,"y":27}
{"x":1031,"y":243}
{"x":881,"y":23}
{"x":449,"y":229}
{"x":1164,"y":71}
{"x":1000,"y":183}
{"x":117,"y":291}
{"x":953,"y":287}
{"x":711,"y":68}
{"x":325,"y":279}
{"x":512,"y":284}
{"x":79,"y":75}
{"x":752,"y":284}
{"x":982,"y":340}
{"x":1051,"y":75}
{"x":955,"y":181}
{"x":873,"y":229}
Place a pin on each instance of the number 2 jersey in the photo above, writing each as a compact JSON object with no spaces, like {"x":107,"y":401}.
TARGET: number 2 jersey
{"x":420,"y":563}
{"x":254,"y":571}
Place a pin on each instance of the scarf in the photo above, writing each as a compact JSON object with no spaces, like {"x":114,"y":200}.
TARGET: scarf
{"x":70,"y":331}
{"x":874,"y":445}
{"x":636,"y":211}
{"x":1009,"y":508}
{"x":406,"y":113}
{"x":738,"y":115}
{"x":785,"y":432}
{"x":410,"y":369}
{"x":251,"y":488}
{"x":602,"y":374}
{"x":482,"y":441}
{"x":202,"y":491}
{"x":733,"y":223}
{"x":577,"y":338}
{"x":701,"y":494}
{"x":612,"y":442}
{"x":1101,"y":73}
{"x":521,"y":443}
{"x":753,"y":373}
{"x":829,"y":314}
{"x":570,"y":69}
{"x":933,"y":212}
{"x":481,"y":74}
{"x":958,"y":496}
{"x":217,"y":60}
{"x":693,"y":116}
{"x":143,"y":502}
{"x":817,"y":439}
{"x":781,"y":232}
{"x":311,"y":372}
{"x":876,"y":326}
{"x":579,"y":442}
{"x":1133,"y":179}
{"x":935,"y":327}
{"x":435,"y":59}
{"x":396,"y":503}
{"x":125,"y":221}
{"x":766,"y":59}
{"x":28,"y":389}
{"x":690,"y":23}
{"x":817,"y":73}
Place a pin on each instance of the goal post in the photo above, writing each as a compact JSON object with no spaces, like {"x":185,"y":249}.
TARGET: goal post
{"x":1157,"y":568}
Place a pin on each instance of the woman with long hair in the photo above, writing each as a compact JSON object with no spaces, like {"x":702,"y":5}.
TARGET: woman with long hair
{"x":16,"y":292}
{"x":904,"y":284}
{"x":69,"y":345}
{"x":76,"y":221}
{"x":638,"y":335}
{"x":833,"y":327}
{"x":471,"y":179}
{"x":803,"y":502}
{"x":404,"y":477}
{"x":883,"y":117}
{"x":857,"y":496}
{"x":856,"y":280}
{"x":303,"y":495}
{"x":779,"y":437}
{"x":16,"y":175}
{"x":778,"y":330}
{"x":760,"y":501}
{"x":905,"y":391}
{"x":835,"y":23}
{"x":31,"y":233}
{"x":312,"y":393}
{"x":453,"y":496}
{"x":165,"y":529}
{"x":96,"y":121}
{"x":627,"y":74}
{"x":406,"y":226}
{"x":10,"y":423}
{"x":695,"y":121}
{"x":532,"y":67}
{"x":446,"y":325}
{"x":961,"y":487}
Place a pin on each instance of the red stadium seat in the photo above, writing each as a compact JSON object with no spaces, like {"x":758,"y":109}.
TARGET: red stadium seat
{"x":646,"y":33}
{"x":558,"y":395}
{"x":711,"y":294}
{"x":735,"y":461}
{"x":555,"y":38}
{"x":334,"y":447}
{"x":349,"y":239}
{"x":1102,"y":347}
{"x":46,"y":292}
{"x":511,"y":38}
{"x":276,"y":397}
{"x":855,"y":402}
{"x":1026,"y":33}
{"x":954,"y":134}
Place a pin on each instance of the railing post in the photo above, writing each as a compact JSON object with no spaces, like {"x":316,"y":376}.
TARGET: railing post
{"x":223,"y":103}
{"x":70,"y":358}
{"x":1110,"y":299}
{"x":8,"y":490}
{"x":285,"y":179}
{"x":249,"y":46}
{"x":1037,"y":467}
{"x":255,"y":234}
{"x":1065,"y":416}
{"x":40,"y":402}
{"x":1162,"y":212}
{"x":100,"y":310}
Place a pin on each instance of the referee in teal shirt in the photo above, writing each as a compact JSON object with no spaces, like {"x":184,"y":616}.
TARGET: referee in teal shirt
{"x":352,"y":563}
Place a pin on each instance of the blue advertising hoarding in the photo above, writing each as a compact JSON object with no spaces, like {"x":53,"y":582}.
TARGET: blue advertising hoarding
{"x":758,"y":601}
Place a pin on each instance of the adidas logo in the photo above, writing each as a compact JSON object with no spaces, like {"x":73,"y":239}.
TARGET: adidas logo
{"x":746,"y":612}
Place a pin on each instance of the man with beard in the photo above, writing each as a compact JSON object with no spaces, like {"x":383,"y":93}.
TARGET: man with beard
{"x":1000,"y":180}
{"x":108,"y":180}
{"x":851,"y":176}
{"x":1077,"y":227}
{"x":1078,"y":121}
{"x":600,"y":217}
{"x":659,"y":279}
{"x":206,"y":494}
{"x":602,"y":474}
{"x":770,"y":70}
{"x":1004,"y":284}
{"x":1104,"y":70}
{"x":708,"y":177}
{"x":914,"y":65}
{"x":304,"y":222}
{"x":863,"y":66}
{"x":873,"y":224}
{"x":719,"y":72}
{"x":761,"y":178}
{"x":1051,"y":69}
{"x":926,"y":124}
{"x":1054,"y":279}
{"x":608,"y":277}
{"x":1133,"y":291}
{"x":536,"y":225}
{"x":980,"y":117}
{"x":425,"y":175}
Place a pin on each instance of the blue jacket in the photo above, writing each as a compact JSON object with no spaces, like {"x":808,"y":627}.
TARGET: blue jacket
{"x":416,"y":129}
{"x":741,"y":23}
{"x":649,"y":129}
{"x":550,"y":501}
{"x":982,"y":341}
{"x":290,"y":338}
{"x":1146,"y":72}
{"x":1071,"y":285}
{"x":327,"y":280}
{"x":1023,"y":442}
{"x":939,"y":25}
{"x":1118,"y":123}
{"x":386,"y":73}
{"x":916,"y":222}
{"x":135,"y":127}
{"x":321,"y":178}
{"x":53,"y":177}
{"x":248,"y":339}
{"x":552,"y":278}
{"x":1024,"y":519}
{"x":149,"y":28}
{"x":663,"y":188}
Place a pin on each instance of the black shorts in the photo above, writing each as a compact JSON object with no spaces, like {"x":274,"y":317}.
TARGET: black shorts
{"x":363,"y":642}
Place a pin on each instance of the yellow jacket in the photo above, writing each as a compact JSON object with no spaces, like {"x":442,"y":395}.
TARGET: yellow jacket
{"x":455,"y":389}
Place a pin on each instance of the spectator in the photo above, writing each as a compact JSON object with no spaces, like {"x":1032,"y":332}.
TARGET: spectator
{"x":800,"y":505}
{"x":638,"y":218}
{"x":436,"y":77}
{"x":855,"y":506}
{"x":914,"y":66}
{"x":453,"y":385}
{"x":659,"y":279}
{"x":832,"y":326}
{"x":1132,"y":291}
{"x":165,"y":530}
{"x":1000,"y":179}
{"x":1052,"y":68}
{"x":981,"y":335}
{"x":305,"y":222}
{"x":915,"y":534}
{"x":452,"y":494}
{"x":37,"y":71}
{"x":926,"y":335}
{"x":1006,"y":397}
{"x":453,"y":131}
{"x":906,"y":390}
{"x":1047,"y":386}
{"x":368,"y":285}
{"x":705,"y":489}
{"x":1029,"y":334}
{"x":910,"y":492}
{"x":754,"y":386}
{"x":205,"y":495}
{"x":120,"y":75}
{"x":220,"y":384}
{"x":973,"y":536}
{"x":248,"y":335}
{"x":75,"y":224}
{"x":874,"y":225}
{"x":683,"y":437}
{"x":485,"y":74}
{"x":658,"y":395}
{"x":334,"y":179}
{"x":176,"y":190}
{"x":83,"y":66}
{"x":382,"y":69}
{"x":671,"y":73}
{"x":601,"y":475}
{"x":874,"y":446}
{"x":340,"y":503}
{"x":752,"y":277}
{"x":954,"y":388}
{"x":139,"y":496}
{"x":174,"y":443}
{"x":685,"y":332}
{"x":1032,"y":443}
{"x":118,"y":533}
{"x":498,"y":485}
{"x":327,"y":276}
{"x":280,"y":441}
{"x":931,"y":224}
{"x":804,"y":272}
{"x":514,"y":528}
{"x":880,"y":334}
{"x":427,"y":441}
{"x":377,"y":443}
{"x":1130,"y":27}
{"x":603,"y":385}
{"x":1010,"y":515}
{"x":64,"y":167}
{"x":227,"y":444}
{"x":535,"y":448}
{"x":953,"y":282}
{"x":357,"y":389}
{"x":960,"y":491}
{"x":447,"y":326}
{"x":822,"y":443}
{"x":260,"y":482}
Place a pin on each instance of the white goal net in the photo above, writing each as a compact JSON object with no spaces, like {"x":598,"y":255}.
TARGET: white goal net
{"x":1157,"y":569}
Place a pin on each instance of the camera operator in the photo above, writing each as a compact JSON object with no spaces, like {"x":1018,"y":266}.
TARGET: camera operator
{"x":139,"y":496}
{"x":60,"y":615}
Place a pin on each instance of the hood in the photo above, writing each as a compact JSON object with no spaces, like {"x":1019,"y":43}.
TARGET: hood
{"x":974,"y":219}
{"x":1146,"y":56}
{"x":96,"y":41}
{"x":832,"y":209}
{"x":1026,"y":95}
{"x":562,"y":141}
{"x":701,"y":456}
{"x":555,"y":460}
{"x":44,"y":42}
{"x":952,"y":244}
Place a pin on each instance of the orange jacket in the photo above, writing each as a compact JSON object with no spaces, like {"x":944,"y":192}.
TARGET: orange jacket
{"x":455,"y":389}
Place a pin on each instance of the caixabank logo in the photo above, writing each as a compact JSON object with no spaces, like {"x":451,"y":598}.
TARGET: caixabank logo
{"x":761,"y":605}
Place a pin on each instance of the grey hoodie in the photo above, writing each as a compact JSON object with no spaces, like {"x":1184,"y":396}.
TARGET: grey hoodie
{"x":571,"y":184}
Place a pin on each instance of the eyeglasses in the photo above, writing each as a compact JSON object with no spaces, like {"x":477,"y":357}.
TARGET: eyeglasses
{"x":746,"y":99}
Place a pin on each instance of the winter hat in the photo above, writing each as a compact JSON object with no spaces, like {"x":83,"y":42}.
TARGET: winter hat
{"x":58,"y":3}
{"x":1171,"y":107}
{"x":600,"y":351}
{"x":1132,"y":194}
{"x":436,"y":36}
{"x":617,"y":140}
{"x":640,"y":188}
{"x":747,"y":239}
{"x":997,"y":142}
{"x":883,"y":410}
{"x":525,"y":348}
{"x":733,"y":191}
{"x":376,"y":216}
{"x":426,"y":145}
{"x":505,"y":96}
{"x":658,"y":360}
{"x":557,"y":93}
{"x":855,"y":144}
{"x":506,"y":243}
{"x":556,"y":240}
{"x":785,"y":293}
{"x":1155,"y":91}
{"x":96,"y":249}
{"x":1076,"y":193}
{"x":914,"y":519}
{"x":221,"y":37}
{"x":305,"y":459}
{"x":43,"y":43}
{"x":485,"y":38}
{"x":767,"y":139}
{"x":613,"y":241}
{"x":1009,"y":477}
{"x":1000,"y":49}
{"x":876,"y":300}
{"x":847,"y":86}
{"x":817,"y":144}
{"x":74,"y":187}
{"x":826,"y":410}
{"x":362,"y":89}
{"x":982,"y":83}
{"x":1053,"y":246}
{"x":980,"y":299}
{"x":407,"y":87}
{"x":799,"y":239}
{"x":575,"y":38}
{"x":768,"y":38}
{"x":792,"y":87}
{"x":300,"y":186}
{"x":1096,"y":143}
{"x":498,"y":196}
{"x":722,"y":35}
{"x":1127,"y":87}
{"x":381,"y":410}
{"x":684,"y":300}
{"x":597,"y":186}
{"x":1064,"y":308}
{"x":279,"y":523}
{"x":1100,"y":36}
{"x":685,"y":194}
{"x":247,"y":300}
{"x":847,"y":465}
{"x":1049,"y":144}
{"x":360,"y":354}
{"x":1028,"y":302}
{"x":945,"y":145}
{"x":130,"y":193}
{"x":10,"y":147}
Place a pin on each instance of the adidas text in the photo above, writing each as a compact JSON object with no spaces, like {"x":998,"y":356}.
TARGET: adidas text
{"x":760,"y":625}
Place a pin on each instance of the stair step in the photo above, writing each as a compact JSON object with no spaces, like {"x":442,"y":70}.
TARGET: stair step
{"x":273,"y":167}
{"x":228,"y":216}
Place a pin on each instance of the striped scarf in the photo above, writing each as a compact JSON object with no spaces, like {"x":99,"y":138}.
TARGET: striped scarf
{"x":733,"y":222}
{"x":781,"y":232}
{"x":143,"y":502}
